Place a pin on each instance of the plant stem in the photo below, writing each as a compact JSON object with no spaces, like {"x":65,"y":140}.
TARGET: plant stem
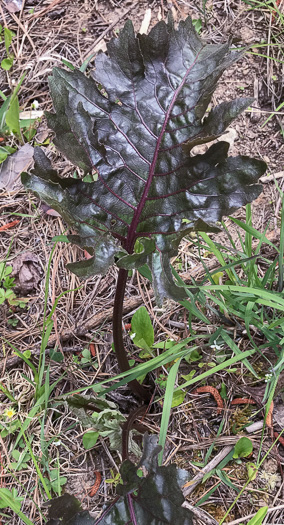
{"x":131,"y":509}
{"x":127,"y":426}
{"x":117,"y":334}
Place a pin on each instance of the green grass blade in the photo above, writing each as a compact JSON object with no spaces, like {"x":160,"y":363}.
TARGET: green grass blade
{"x":272,"y":114}
{"x":145,"y":369}
{"x":167,"y":408}
{"x":207,"y":496}
{"x":250,"y":293}
{"x":175,"y":352}
{"x":210,"y":450}
{"x":217,"y":368}
{"x":36,"y":466}
{"x":227,"y":339}
{"x":189,"y":305}
{"x":24,"y":358}
{"x":32,"y":413}
{"x":218,"y":255}
{"x":281,"y":251}
{"x":254,"y":233}
{"x":10,"y":504}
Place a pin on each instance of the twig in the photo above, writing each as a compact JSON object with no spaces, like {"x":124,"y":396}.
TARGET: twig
{"x":46,"y":9}
{"x":245,"y":518}
{"x":200,"y":514}
{"x":269,"y":178}
{"x":12,"y":362}
{"x":192,"y":484}
{"x":95,"y":320}
{"x":25,"y":31}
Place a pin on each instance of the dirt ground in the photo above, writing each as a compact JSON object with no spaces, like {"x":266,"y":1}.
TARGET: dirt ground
{"x":47,"y":32}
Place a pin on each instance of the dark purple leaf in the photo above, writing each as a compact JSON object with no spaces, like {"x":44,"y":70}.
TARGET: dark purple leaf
{"x":152,"y":500}
{"x":136,"y":123}
{"x":155,"y":499}
{"x":66,"y":510}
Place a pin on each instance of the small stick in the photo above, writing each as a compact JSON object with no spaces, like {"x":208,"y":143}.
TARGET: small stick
{"x":280,"y":438}
{"x":200,"y":514}
{"x":245,"y":518}
{"x":46,"y":9}
{"x":191,"y":485}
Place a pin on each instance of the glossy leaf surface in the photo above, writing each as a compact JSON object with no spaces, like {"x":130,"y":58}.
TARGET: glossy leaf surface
{"x":152,"y":500}
{"x":155,"y":499}
{"x":135,"y":124}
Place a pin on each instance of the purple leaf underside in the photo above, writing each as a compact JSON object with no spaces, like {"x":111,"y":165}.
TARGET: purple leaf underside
{"x":135,"y":123}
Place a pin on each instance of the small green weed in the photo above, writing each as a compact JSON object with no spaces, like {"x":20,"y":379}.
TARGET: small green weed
{"x":197,"y":24}
{"x":90,"y":438}
{"x":10,"y":112}
{"x":243,"y":448}
{"x":85,"y":358}
{"x":55,"y":482}
{"x":7,"y":35}
{"x":10,"y":498}
{"x":115,"y":478}
{"x":11,"y":123}
{"x":6,"y":287}
{"x":21,"y":459}
{"x":6,"y":283}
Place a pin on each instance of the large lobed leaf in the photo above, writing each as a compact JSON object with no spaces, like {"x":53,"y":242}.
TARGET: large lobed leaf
{"x":135,"y":123}
{"x":152,"y":500}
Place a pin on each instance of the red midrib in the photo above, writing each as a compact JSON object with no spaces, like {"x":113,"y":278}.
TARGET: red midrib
{"x":131,"y":237}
